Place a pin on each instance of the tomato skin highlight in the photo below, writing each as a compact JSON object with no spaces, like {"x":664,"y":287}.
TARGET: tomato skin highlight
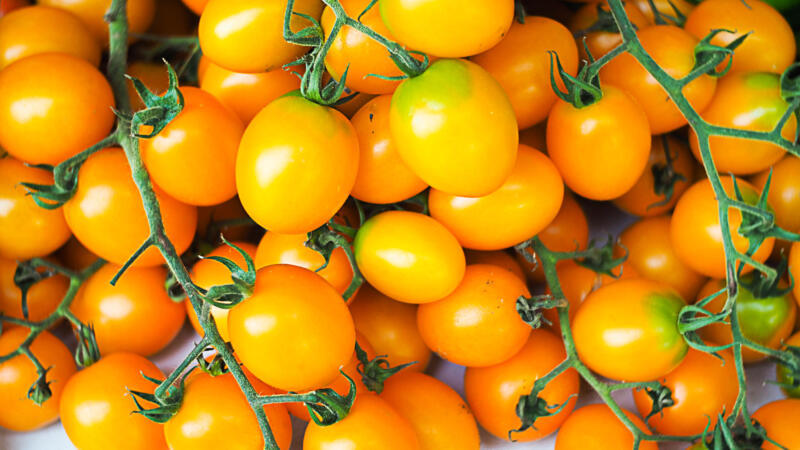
{"x":92,"y":12}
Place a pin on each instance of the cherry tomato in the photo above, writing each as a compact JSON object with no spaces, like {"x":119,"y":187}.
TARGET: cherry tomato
{"x":597,"y":427}
{"x":296,"y":165}
{"x":153,"y":75}
{"x":247,"y":35}
{"x":770,"y":44}
{"x":18,"y":374}
{"x":521,"y":64}
{"x":92,"y":13}
{"x":27,"y":230}
{"x":193,"y":159}
{"x":371,"y":423}
{"x":36,"y":106}
{"x":391,"y":327}
{"x":107,"y":216}
{"x":767,"y":321}
{"x":42,"y":299}
{"x":784,"y":191}
{"x":628,"y":330}
{"x":673,"y":49}
{"x":523,"y":206}
{"x":645,"y":198}
{"x":493,"y":392}
{"x":666,"y":8}
{"x":379,"y":160}
{"x":282,"y":319}
{"x":499,"y":258}
{"x":97,"y":408}
{"x":748,"y":101}
{"x":696,"y":234}
{"x":602,"y":149}
{"x":601,"y":42}
{"x":702,"y":388}
{"x":783,"y":374}
{"x":779,"y":419}
{"x":794,"y":268}
{"x":214,"y":414}
{"x":40,"y":29}
{"x":651,"y":254}
{"x":438,"y":414}
{"x":409,"y":257}
{"x":448,"y":28}
{"x":276,"y":248}
{"x":197,"y":6}
{"x":75,"y":256}
{"x":247,"y":93}
{"x":455,"y":112}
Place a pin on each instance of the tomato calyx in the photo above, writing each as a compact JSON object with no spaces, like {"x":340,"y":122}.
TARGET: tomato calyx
{"x":531,"y":309}
{"x":581,"y":90}
{"x":25,"y":276}
{"x":750,"y":436}
{"x":660,"y":396}
{"x":87,"y":351}
{"x":216,"y":365}
{"x":763,"y":286}
{"x":167,"y":406}
{"x":788,"y":368}
{"x":531,"y":407}
{"x":708,"y":56}
{"x":159,"y":109}
{"x":600,"y":259}
{"x":326,"y":406}
{"x":665,"y":177}
{"x":226,"y":296}
{"x":376,"y":371}
{"x":39,"y":391}
{"x":324,"y":240}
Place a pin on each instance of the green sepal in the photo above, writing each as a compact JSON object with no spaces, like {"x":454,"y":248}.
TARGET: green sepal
{"x":159,"y":110}
{"x":329,"y":406}
{"x":87,"y":352}
{"x":661,"y":397}
{"x":174,"y":289}
{"x":366,"y":9}
{"x":750,"y":436}
{"x":25,"y":276}
{"x":790,"y":91}
{"x":600,"y":259}
{"x":376,"y":371}
{"x":40,"y":391}
{"x":664,"y":176}
{"x":324,"y":240}
{"x":216,"y":366}
{"x":789,"y":363}
{"x":532,"y":407}
{"x":762,"y":286}
{"x":530,"y":308}
{"x":227,"y":296}
{"x":166,"y":408}
{"x":708,"y":55}
{"x":582,"y":90}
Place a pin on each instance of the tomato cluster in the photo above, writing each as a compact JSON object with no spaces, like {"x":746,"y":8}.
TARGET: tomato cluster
{"x":360,"y":189}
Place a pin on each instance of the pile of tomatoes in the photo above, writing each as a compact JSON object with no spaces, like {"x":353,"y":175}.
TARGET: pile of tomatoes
{"x":429,"y":187}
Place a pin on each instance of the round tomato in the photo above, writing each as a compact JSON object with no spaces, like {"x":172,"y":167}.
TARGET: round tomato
{"x":154,"y":76}
{"x":783,"y":374}
{"x":43,"y":297}
{"x":40,"y":29}
{"x":107,"y":216}
{"x":27,"y":230}
{"x":601,"y":149}
{"x":56,"y":120}
{"x":454,"y":127}
{"x":650,"y":253}
{"x":391,"y":327}
{"x":97,"y":408}
{"x":493,"y":392}
{"x":601,"y":42}
{"x":784,"y":191}
{"x":766,"y":321}
{"x":696,"y":234}
{"x":665,"y":7}
{"x":702,"y":388}
{"x":18,"y":374}
{"x":477,"y":325}
{"x":770,"y":44}
{"x":438,"y":414}
{"x":748,"y":101}
{"x":371,"y":423}
{"x":382,"y":176}
{"x":499,"y":258}
{"x":409,"y":256}
{"x":448,"y":28}
{"x":247,"y":35}
{"x":642,"y":198}
{"x":282,"y":318}
{"x":779,"y":419}
{"x":296,"y":165}
{"x":597,"y":427}
{"x":628,"y":330}
{"x":215,"y":414}
{"x":524,"y":205}
{"x":92,"y":13}
{"x":521,"y":64}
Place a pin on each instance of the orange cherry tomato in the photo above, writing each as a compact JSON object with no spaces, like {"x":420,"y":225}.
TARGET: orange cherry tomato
{"x":92,"y":13}
{"x":119,"y":313}
{"x":521,"y":64}
{"x":438,"y":414}
{"x":673,"y":49}
{"x":18,"y":374}
{"x":97,"y":409}
{"x":500,"y":258}
{"x":601,"y":42}
{"x":40,"y":29}
{"x":779,"y":419}
{"x":153,"y":75}
{"x":748,"y":101}
{"x":296,"y":165}
{"x":454,"y":127}
{"x":628,"y":330}
{"x":784,"y":191}
{"x":247,"y":93}
{"x":477,"y":325}
{"x":107,"y":216}
{"x":45,"y":118}
{"x":666,"y":8}
{"x":379,"y":160}
{"x":247,"y":35}
{"x":696,"y":234}
{"x":391,"y":327}
{"x":281,"y":319}
{"x":493,"y":392}
{"x":42,"y":299}
{"x":702,"y":388}
{"x":371,"y":423}
{"x":197,"y":6}
{"x":27,"y":230}
{"x":523,"y":206}
{"x":409,"y":257}
{"x":643,"y":199}
{"x":602,"y":149}
{"x":770,"y":44}
{"x":794,"y":268}
{"x":597,"y":427}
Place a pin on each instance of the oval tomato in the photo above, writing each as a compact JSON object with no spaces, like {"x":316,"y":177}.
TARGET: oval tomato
{"x":779,"y":419}
{"x":92,"y":13}
{"x":597,"y":426}
{"x":42,"y":299}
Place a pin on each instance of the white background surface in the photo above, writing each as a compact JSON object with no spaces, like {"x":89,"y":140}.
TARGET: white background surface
{"x":604,"y":219}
